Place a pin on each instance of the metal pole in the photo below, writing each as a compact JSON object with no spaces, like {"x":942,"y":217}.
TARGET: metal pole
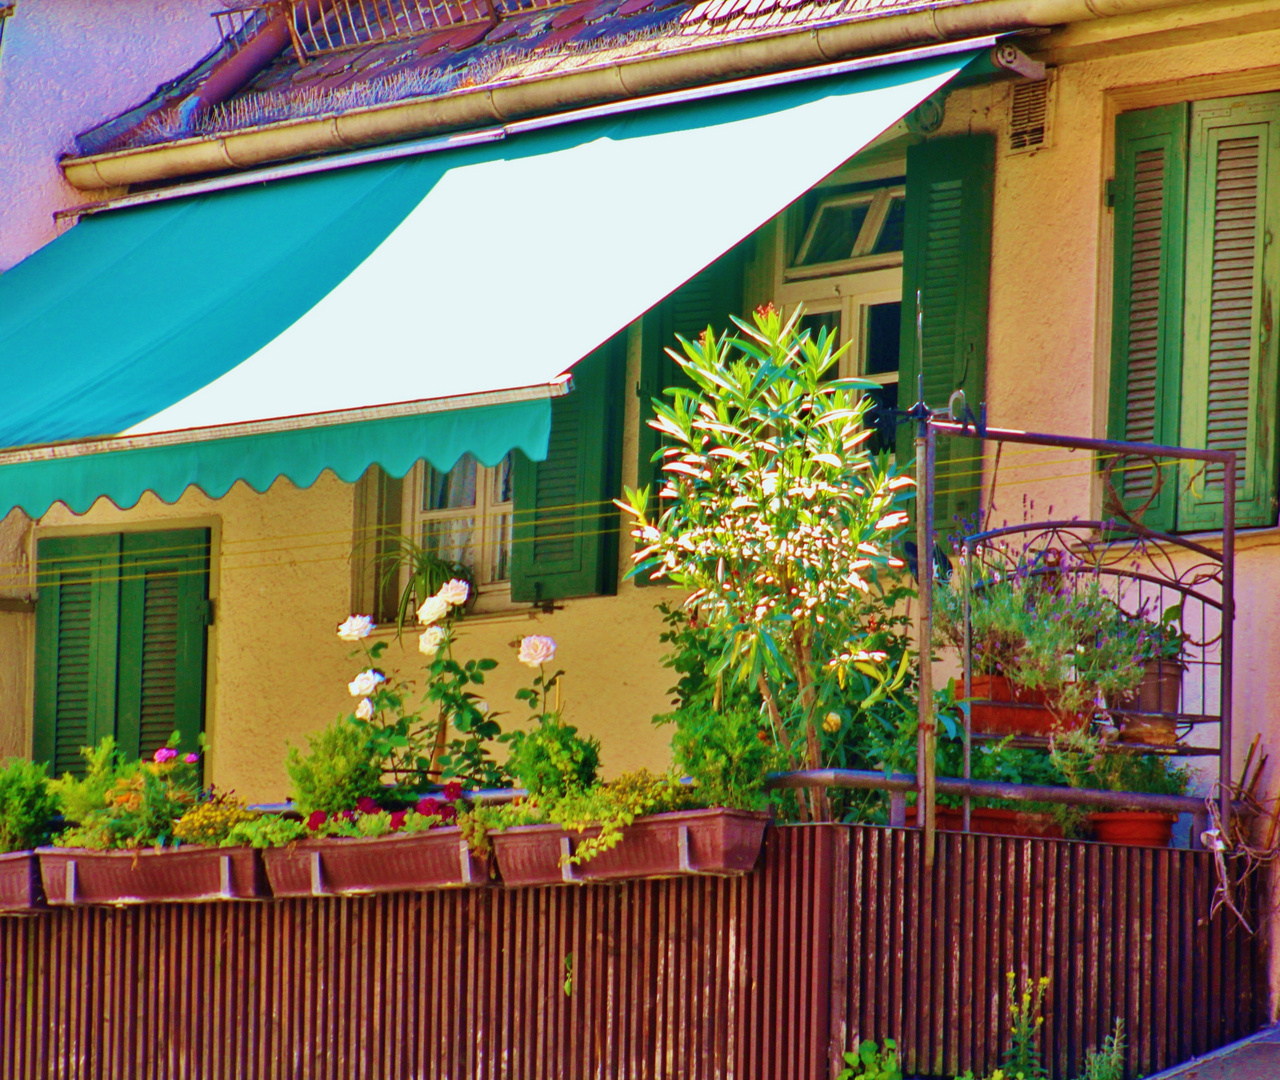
{"x":925,"y":737}
{"x":1228,"y":627}
{"x":967,"y":581}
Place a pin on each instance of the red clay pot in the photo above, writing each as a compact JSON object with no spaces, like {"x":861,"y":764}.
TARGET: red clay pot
{"x":79,"y":876}
{"x":1000,"y":708}
{"x":356,"y":866}
{"x":1141,"y":828}
{"x":995,"y":821}
{"x":715,"y":841}
{"x":20,"y":882}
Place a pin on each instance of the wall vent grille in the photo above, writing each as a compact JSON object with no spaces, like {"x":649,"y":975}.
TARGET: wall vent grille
{"x":1029,"y":116}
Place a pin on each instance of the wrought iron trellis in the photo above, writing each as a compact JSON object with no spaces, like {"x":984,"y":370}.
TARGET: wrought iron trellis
{"x":1144,"y":566}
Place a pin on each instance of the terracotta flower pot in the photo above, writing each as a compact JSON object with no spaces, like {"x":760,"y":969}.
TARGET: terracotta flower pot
{"x":20,"y":882}
{"x":1000,"y":708}
{"x":340,"y":866}
{"x":79,"y":876}
{"x":1141,"y":828}
{"x":995,"y":821}
{"x":1157,"y":693}
{"x":715,"y":841}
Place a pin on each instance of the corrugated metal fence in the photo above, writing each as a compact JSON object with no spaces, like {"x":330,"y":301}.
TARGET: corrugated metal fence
{"x":838,"y":936}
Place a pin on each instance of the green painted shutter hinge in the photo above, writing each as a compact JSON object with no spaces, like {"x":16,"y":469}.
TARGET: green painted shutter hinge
{"x":208,"y":613}
{"x":1109,"y":192}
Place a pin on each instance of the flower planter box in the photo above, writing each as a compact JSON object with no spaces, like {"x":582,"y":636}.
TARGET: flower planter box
{"x":1158,"y":692}
{"x":20,"y":882}
{"x":1140,"y":828}
{"x":78,"y":876}
{"x":1000,"y":708}
{"x":715,"y":841}
{"x":436,"y":859}
{"x":995,"y":821}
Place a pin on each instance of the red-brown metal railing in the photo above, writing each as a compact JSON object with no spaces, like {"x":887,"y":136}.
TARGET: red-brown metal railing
{"x":766,"y":976}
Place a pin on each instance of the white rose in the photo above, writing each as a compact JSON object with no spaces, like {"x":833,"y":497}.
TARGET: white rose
{"x":454,"y":591}
{"x":364,"y":711}
{"x":536,"y":650}
{"x":365,"y":683}
{"x":433,"y":610}
{"x":355,"y":628}
{"x":431,"y":640}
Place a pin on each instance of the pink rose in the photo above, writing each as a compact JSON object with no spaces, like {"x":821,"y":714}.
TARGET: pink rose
{"x":191,"y":759}
{"x":536,"y":650}
{"x":165,"y":753}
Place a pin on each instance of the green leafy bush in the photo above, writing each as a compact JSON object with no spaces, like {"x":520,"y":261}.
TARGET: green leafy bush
{"x":268,"y":830}
{"x":615,"y":805}
{"x":340,"y":768}
{"x":871,"y":1062}
{"x":127,"y":804}
{"x":1106,"y":1062}
{"x":26,"y":805}
{"x":723,"y":754}
{"x":552,"y":759}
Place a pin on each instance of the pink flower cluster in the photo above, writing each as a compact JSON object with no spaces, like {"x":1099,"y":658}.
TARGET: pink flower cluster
{"x":167,"y":753}
{"x":429,"y":806}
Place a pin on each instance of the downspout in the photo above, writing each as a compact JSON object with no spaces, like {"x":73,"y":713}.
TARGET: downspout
{"x":506,"y":102}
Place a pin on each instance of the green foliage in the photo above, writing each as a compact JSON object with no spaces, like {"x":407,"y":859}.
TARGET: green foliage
{"x":120,"y":804}
{"x":427,"y":572}
{"x":340,"y":767}
{"x":871,"y":1062}
{"x":1086,"y":762}
{"x":26,"y":805}
{"x":1022,"y":1058}
{"x":779,"y":523}
{"x":211,"y":820}
{"x":724,"y":755}
{"x":552,"y":760}
{"x":264,"y":831}
{"x":616,"y":805}
{"x":1107,"y":1061}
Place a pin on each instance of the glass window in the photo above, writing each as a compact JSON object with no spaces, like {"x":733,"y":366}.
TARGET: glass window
{"x":465,"y":515}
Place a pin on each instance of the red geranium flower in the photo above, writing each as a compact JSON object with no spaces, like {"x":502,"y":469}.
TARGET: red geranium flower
{"x":317,"y":818}
{"x":453,"y":791}
{"x":429,"y":806}
{"x":397,"y":820}
{"x":349,"y":815}
{"x":366,"y":805}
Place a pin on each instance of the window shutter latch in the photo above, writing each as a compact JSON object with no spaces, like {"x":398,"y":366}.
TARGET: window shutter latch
{"x":1109,"y":192}
{"x":208,"y":613}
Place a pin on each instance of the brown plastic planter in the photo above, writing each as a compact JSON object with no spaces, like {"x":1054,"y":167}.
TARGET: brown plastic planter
{"x":1000,"y":708}
{"x":1140,"y":828}
{"x":20,"y":882}
{"x":1157,"y":693}
{"x":995,"y":821}
{"x":436,"y":859}
{"x":77,"y":876}
{"x":715,"y":841}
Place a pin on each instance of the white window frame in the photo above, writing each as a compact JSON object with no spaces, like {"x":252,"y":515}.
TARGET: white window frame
{"x":879,"y":202}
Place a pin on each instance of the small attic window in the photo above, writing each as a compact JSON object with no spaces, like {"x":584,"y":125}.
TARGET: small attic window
{"x":852,"y":225}
{"x":1029,"y":116}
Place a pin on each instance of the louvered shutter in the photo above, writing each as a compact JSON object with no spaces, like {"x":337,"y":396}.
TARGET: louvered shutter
{"x":947,"y":261}
{"x":163,"y":604}
{"x":708,"y":299}
{"x":565,"y":536}
{"x":76,"y":619}
{"x":1146,"y":349}
{"x":1229,"y":394}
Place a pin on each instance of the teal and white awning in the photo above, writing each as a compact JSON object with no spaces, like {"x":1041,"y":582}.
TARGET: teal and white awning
{"x":424,"y":307}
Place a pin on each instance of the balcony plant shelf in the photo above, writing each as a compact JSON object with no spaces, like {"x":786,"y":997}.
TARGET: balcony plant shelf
{"x":186,"y":874}
{"x":437,"y":858}
{"x":716,"y":841}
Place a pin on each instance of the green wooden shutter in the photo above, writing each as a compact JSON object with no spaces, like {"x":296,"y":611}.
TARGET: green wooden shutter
{"x":1229,"y":394}
{"x":705,"y":300}
{"x":1146,"y":339}
{"x":947,"y":260}
{"x":376,"y":529}
{"x":76,"y":619}
{"x":565,"y":536}
{"x":163,"y":612}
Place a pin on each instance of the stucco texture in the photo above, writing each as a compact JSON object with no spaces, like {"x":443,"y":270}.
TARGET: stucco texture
{"x":66,"y":65}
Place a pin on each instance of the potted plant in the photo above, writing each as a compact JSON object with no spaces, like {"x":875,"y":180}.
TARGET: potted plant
{"x":1087,"y":762}
{"x":126,"y":844}
{"x":27,"y":808}
{"x":1156,"y":697}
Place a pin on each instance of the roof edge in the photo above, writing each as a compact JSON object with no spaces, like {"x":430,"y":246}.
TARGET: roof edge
{"x":546,"y":95}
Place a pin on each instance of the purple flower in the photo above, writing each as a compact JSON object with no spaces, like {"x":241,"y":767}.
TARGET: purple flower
{"x":191,"y":759}
{"x":165,"y":753}
{"x":317,"y":818}
{"x":366,"y":805}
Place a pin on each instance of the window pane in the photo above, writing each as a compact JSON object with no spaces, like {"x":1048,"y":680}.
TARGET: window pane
{"x":835,"y":234}
{"x":451,"y":490}
{"x":451,"y":539}
{"x":880,"y":418}
{"x":883,"y":329}
{"x":501,"y":474}
{"x":893,"y":230}
{"x":500,"y":561}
